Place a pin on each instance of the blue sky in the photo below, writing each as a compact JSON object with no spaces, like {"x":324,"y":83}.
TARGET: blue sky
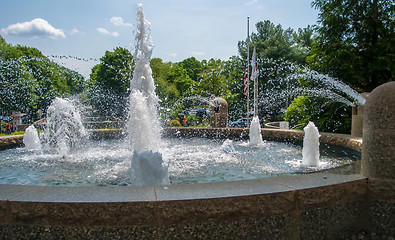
{"x":180,"y":28}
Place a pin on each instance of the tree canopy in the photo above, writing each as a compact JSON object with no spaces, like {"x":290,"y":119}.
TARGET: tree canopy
{"x":109,"y":83}
{"x":29,"y":81}
{"x":274,"y":42}
{"x":356,"y":41}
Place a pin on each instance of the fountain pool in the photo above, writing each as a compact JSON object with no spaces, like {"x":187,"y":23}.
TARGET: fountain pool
{"x":189,"y":160}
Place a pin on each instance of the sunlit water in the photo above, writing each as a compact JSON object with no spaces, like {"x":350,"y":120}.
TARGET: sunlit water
{"x":189,"y":160}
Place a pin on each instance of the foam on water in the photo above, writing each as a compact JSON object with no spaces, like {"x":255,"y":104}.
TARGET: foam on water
{"x":148,"y":169}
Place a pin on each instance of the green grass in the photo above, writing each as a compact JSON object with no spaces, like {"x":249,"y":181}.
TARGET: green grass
{"x":13,"y":133}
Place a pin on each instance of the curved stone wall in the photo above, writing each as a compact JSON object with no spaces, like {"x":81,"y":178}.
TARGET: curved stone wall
{"x":10,"y":141}
{"x":314,"y":206}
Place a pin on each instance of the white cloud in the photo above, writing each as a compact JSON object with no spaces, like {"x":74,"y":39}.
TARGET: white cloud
{"x":173,"y":54}
{"x":106,"y":32}
{"x":75,"y":31}
{"x":118,"y":21}
{"x":198,"y":53}
{"x":252,"y":2}
{"x":36,"y":28}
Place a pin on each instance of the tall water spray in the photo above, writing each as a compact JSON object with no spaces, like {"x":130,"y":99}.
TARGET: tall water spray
{"x":311,"y":146}
{"x":143,"y":126}
{"x":147,"y":167}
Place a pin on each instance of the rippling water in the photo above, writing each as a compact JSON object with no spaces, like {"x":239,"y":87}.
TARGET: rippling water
{"x":190,"y":160}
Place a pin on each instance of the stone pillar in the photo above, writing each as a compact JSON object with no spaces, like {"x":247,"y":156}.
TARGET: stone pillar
{"x":219,"y":113}
{"x":357,"y":118}
{"x":378,"y":158}
{"x":378,"y":146}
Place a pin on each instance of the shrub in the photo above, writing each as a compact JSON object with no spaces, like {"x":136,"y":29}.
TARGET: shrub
{"x":327,"y":115}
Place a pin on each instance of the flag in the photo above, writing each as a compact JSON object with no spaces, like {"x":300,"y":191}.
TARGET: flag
{"x":254,"y":71}
{"x":246,"y":79}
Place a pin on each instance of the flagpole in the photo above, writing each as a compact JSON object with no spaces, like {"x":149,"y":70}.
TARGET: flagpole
{"x":254,"y":74}
{"x":248,"y":72}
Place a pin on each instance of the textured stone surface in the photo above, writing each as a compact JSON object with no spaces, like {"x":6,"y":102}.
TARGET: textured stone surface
{"x":340,"y":193}
{"x":378,"y":157}
{"x":341,"y":140}
{"x":382,"y":214}
{"x":10,"y":141}
{"x":378,"y":152}
{"x":332,"y":222}
{"x":382,"y":189}
{"x":219,"y":113}
{"x":273,"y":208}
{"x":274,"y":227}
{"x":357,"y":118}
{"x":335,"y":222}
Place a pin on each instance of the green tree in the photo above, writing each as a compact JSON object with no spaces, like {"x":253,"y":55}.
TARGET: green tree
{"x":327,"y":115}
{"x":212,"y":79}
{"x":172,"y":80}
{"x":16,"y":88}
{"x":305,"y":37}
{"x":192,"y":66}
{"x":233,"y":70}
{"x":29,"y":81}
{"x":274,"y":42}
{"x":356,"y":41}
{"x":180,"y":78}
{"x":108,"y":87}
{"x":165,"y":90}
{"x":3,"y":46}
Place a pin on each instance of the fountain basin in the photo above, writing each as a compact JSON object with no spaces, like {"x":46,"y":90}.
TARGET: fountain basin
{"x":277,"y":208}
{"x":188,"y":160}
{"x":325,"y":205}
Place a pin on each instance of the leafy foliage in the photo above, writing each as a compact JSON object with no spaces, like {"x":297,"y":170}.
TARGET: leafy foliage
{"x":193,"y":67}
{"x":172,"y":80}
{"x":356,"y":41}
{"x":29,"y":81}
{"x":274,"y":42}
{"x":108,"y":87}
{"x":327,"y":115}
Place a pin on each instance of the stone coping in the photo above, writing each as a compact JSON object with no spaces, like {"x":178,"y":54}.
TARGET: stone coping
{"x":10,"y":141}
{"x":175,"y":204}
{"x":85,"y":194}
{"x":336,"y":139}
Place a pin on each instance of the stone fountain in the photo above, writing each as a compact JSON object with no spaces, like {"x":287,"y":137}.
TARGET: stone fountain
{"x":326,"y":205}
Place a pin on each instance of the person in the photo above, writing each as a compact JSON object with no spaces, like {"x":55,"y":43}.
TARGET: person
{"x":8,"y":128}
{"x":184,"y":122}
